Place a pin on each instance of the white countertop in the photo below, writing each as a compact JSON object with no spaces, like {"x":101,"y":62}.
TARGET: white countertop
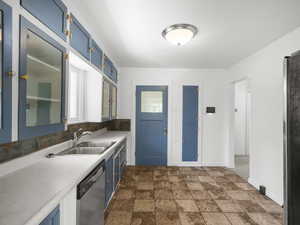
{"x":29,"y":194}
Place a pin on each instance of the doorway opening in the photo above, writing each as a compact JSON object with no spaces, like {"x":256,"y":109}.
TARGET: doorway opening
{"x":241,"y":128}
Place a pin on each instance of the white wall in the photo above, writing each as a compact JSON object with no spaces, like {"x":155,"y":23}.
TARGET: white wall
{"x":265,"y":70}
{"x":213,"y":129}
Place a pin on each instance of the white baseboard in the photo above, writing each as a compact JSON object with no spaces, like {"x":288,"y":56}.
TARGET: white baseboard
{"x":269,"y":194}
{"x":187,"y":164}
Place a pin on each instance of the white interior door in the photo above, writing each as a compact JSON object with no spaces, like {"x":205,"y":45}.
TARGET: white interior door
{"x":240,"y":117}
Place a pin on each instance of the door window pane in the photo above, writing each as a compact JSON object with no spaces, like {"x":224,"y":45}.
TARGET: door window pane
{"x":1,"y":52}
{"x":43,"y":93}
{"x":152,"y":101}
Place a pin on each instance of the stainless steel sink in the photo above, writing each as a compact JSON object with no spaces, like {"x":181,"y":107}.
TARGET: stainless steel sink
{"x":96,"y":144}
{"x":86,"y":148}
{"x":83,"y":150}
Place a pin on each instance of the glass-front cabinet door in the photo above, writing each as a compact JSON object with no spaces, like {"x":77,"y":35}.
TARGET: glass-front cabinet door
{"x":105,"y":100}
{"x":42,"y":75}
{"x":113,"y":102}
{"x":5,"y":72}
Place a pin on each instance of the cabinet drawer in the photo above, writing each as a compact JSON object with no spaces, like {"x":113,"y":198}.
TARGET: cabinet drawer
{"x":52,"y":13}
{"x":80,"y":38}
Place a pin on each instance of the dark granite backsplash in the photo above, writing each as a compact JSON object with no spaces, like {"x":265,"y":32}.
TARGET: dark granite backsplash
{"x":21,"y":148}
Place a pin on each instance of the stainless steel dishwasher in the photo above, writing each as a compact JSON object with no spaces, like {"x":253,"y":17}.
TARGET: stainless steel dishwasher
{"x":91,"y":197}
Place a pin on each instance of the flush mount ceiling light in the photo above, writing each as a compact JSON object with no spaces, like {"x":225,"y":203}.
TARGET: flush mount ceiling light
{"x":180,"y":34}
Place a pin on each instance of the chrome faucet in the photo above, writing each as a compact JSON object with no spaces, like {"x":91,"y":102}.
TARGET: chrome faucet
{"x":79,"y":134}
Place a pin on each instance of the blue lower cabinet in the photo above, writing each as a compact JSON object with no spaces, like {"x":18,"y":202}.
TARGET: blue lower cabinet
{"x":6,"y":69}
{"x":116,"y":170}
{"x":42,"y":73}
{"x":53,"y":218}
{"x":109,"y":187}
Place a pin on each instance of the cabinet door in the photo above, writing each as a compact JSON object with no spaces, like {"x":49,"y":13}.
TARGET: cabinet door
{"x":113,"y":102}
{"x":114,"y":73}
{"x":96,"y":55}
{"x":80,"y":38}
{"x":107,"y":67}
{"x":109,"y":180}
{"x":53,"y":218}
{"x":41,"y":83}
{"x":116,"y":171}
{"x":53,"y":13}
{"x":105,"y":100}
{"x":6,"y":68}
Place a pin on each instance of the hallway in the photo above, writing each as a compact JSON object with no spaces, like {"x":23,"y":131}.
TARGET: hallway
{"x":242,"y":166}
{"x":189,"y":196}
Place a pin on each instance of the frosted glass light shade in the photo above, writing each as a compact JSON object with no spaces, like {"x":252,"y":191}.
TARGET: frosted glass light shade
{"x":180,"y":34}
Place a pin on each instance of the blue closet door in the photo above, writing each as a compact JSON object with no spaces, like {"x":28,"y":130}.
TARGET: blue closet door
{"x":190,"y":124}
{"x":80,"y":38}
{"x":52,"y":13}
{"x":53,"y":218}
{"x":6,"y":68}
{"x":41,"y":83}
{"x":96,"y":55}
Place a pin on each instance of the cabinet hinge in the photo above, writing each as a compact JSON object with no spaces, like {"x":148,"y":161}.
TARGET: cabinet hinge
{"x":66,"y":56}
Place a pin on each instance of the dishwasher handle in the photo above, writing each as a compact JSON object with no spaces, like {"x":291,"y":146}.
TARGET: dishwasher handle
{"x":85,"y":185}
{"x":97,"y":175}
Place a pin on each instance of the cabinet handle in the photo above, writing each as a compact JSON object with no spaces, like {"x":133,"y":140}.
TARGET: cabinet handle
{"x":66,"y":56}
{"x":69,"y":17}
{"x":11,"y":73}
{"x":24,"y":77}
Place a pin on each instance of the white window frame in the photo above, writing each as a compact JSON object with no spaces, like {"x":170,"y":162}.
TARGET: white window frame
{"x":81,"y":87}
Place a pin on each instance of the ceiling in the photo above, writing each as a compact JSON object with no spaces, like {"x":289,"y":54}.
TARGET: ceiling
{"x":229,"y":30}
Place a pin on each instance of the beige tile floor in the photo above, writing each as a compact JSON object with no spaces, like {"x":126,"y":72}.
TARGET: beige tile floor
{"x":189,"y":196}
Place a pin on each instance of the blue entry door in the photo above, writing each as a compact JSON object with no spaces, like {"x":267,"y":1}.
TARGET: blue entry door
{"x":190,"y":124}
{"x":151,"y":125}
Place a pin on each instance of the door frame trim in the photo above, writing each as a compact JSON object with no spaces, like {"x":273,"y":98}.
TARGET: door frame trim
{"x":133,"y":113}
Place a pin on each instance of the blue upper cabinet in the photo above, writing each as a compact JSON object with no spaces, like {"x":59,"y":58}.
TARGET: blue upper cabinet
{"x":96,"y":55}
{"x":53,"y":13}
{"x":107,"y":64}
{"x":109,"y":69}
{"x":53,"y":218}
{"x":6,"y":68}
{"x":41,"y":83}
{"x":114,"y":74}
{"x":80,"y":38}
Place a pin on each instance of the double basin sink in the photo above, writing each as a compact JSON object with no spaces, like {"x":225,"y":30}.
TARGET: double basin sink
{"x":88,"y":147}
